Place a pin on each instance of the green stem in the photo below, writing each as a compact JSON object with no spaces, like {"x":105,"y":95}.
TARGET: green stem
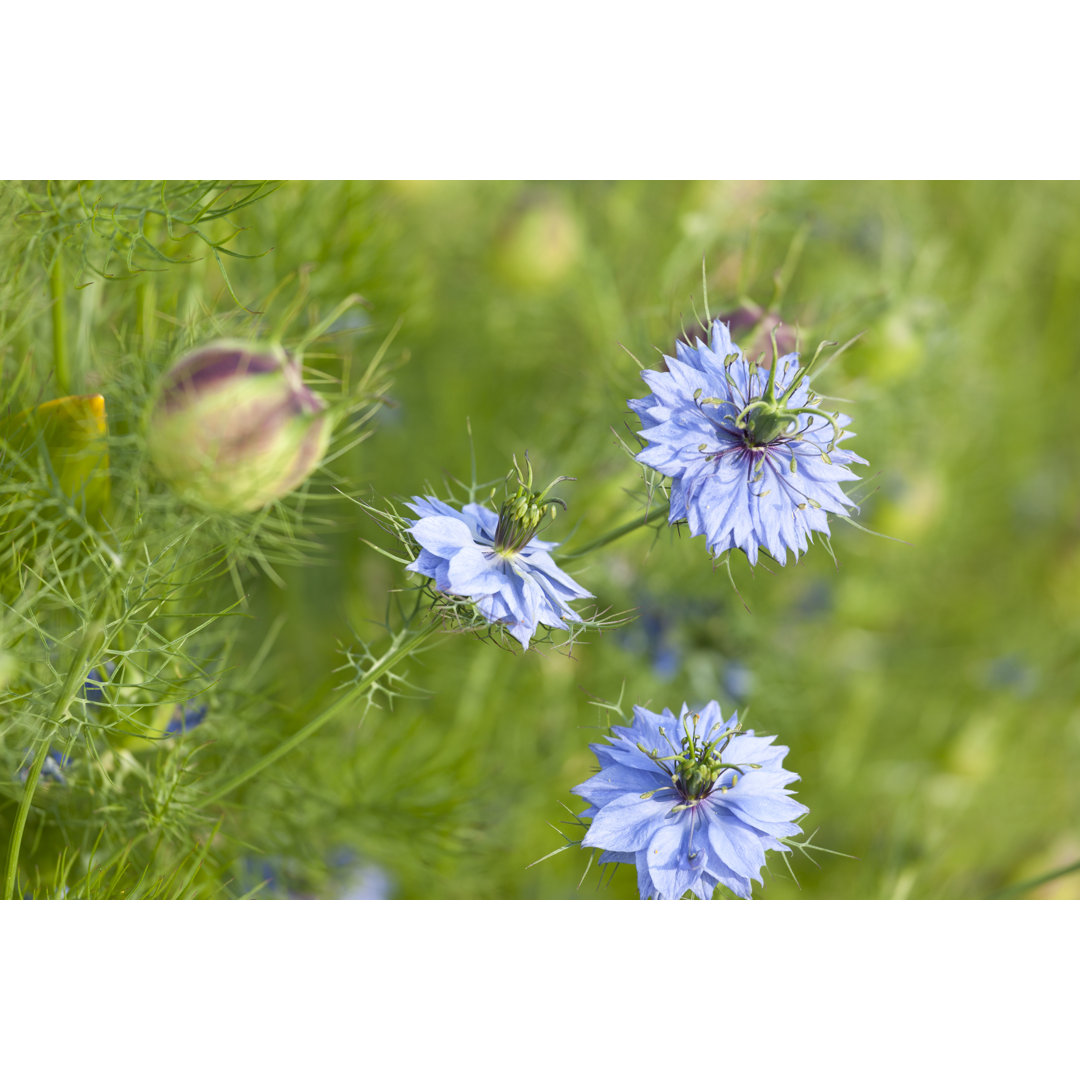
{"x":1034,"y":883}
{"x":145,"y":314}
{"x":59,"y":328}
{"x":75,"y":676}
{"x":389,"y":659}
{"x":650,"y":515}
{"x":20,"y":819}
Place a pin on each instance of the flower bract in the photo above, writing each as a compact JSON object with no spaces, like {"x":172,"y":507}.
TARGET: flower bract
{"x":691,"y":801}
{"x":480,"y":555}
{"x":754,"y":462}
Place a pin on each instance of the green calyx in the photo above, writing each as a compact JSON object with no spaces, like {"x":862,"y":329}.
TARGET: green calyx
{"x":524,"y":510}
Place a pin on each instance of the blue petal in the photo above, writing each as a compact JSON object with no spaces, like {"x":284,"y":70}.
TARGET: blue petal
{"x":443,"y":536}
{"x":627,"y":823}
{"x":677,"y":855}
{"x":428,"y":506}
{"x":474,"y":572}
{"x":614,"y":781}
{"x":763,"y":811}
{"x":483,"y":518}
{"x":552,"y":580}
{"x":618,"y":857}
{"x":722,"y":875}
{"x":427,"y":564}
{"x":738,"y":847}
{"x":646,"y":888}
{"x":711,"y":724}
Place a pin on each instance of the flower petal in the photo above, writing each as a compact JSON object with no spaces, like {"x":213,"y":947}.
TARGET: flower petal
{"x":627,"y":823}
{"x":443,"y":536}
{"x":677,"y":856}
{"x":614,"y":781}
{"x":737,"y":846}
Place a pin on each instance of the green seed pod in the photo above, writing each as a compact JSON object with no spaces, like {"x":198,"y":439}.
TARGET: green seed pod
{"x":234,"y":427}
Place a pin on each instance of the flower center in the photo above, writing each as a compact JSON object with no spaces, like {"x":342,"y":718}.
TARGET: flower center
{"x":695,"y":764}
{"x":765,"y":422}
{"x":523,"y":511}
{"x":768,"y":418}
{"x":519,"y":519}
{"x":697,"y":767}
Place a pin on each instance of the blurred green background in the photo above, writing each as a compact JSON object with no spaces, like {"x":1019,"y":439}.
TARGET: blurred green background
{"x":927,"y":688}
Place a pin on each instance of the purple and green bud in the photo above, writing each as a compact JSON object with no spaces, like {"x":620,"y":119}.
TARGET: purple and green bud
{"x":235,"y":428}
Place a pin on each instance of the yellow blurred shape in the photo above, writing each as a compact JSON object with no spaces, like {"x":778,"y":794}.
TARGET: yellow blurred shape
{"x":541,"y":246}
{"x":915,"y":510}
{"x":899,"y":351}
{"x":1064,"y":588}
{"x":1062,"y":853}
{"x":975,"y":753}
{"x":72,"y":431}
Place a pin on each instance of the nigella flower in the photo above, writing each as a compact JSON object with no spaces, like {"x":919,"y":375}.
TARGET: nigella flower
{"x":690,"y":814}
{"x":52,"y":768}
{"x":495,"y":560}
{"x":368,"y":882}
{"x":94,"y":687}
{"x":359,"y":879}
{"x":754,"y":462}
{"x":190,"y":714}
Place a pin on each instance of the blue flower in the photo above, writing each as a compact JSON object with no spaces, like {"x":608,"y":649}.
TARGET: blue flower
{"x":52,"y":768}
{"x":495,"y":561}
{"x":185,"y":716}
{"x":655,"y":634}
{"x":754,"y":462}
{"x":94,"y":687}
{"x":368,"y":882}
{"x":737,"y":680}
{"x":692,"y":801}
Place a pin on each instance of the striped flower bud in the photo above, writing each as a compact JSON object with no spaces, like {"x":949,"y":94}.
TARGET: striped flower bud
{"x":234,"y":427}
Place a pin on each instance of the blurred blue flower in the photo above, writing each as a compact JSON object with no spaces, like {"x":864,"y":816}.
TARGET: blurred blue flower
{"x":659,"y":644}
{"x":94,"y":687}
{"x":368,"y":882}
{"x":691,"y":814}
{"x":655,"y":633}
{"x":495,"y":561}
{"x":185,"y":716}
{"x":262,"y":878}
{"x":754,"y":462}
{"x":816,"y":601}
{"x":1011,"y":672}
{"x":738,"y":680}
{"x":52,"y":768}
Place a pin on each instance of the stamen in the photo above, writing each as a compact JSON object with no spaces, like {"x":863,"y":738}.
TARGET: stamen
{"x":523,"y":511}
